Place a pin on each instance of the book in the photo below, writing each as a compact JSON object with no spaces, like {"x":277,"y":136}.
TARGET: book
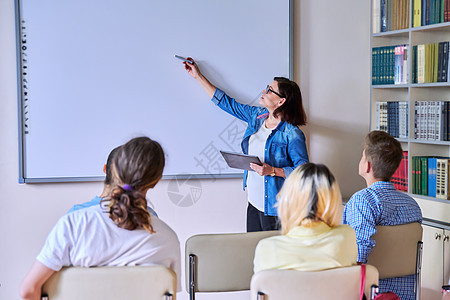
{"x":376,"y":17}
{"x":420,"y":63}
{"x":424,"y":176}
{"x":417,"y":13}
{"x":432,"y":165}
{"x":445,"y":55}
{"x":442,"y":176}
{"x":383,"y":24}
{"x":403,"y":120}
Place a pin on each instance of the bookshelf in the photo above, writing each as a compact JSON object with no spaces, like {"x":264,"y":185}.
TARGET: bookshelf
{"x":436,"y":211}
{"x":410,"y":92}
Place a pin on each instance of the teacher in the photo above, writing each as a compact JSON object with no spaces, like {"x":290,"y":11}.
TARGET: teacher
{"x":272,"y":134}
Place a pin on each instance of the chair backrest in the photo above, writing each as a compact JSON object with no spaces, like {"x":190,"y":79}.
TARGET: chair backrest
{"x":339,"y":283}
{"x":97,"y":283}
{"x":221,"y":262}
{"x":396,"y":250}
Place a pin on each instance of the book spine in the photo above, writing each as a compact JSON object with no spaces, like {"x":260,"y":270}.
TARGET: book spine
{"x":391,"y":64}
{"x":440,"y":61}
{"x":405,"y":64}
{"x":405,"y":171}
{"x":424,"y":176}
{"x":431,"y":177}
{"x":417,"y":13}
{"x":376,"y":20}
{"x":435,"y":54}
{"x":420,"y":63}
{"x":445,"y":177}
{"x":440,"y":122}
{"x":398,"y":64}
{"x":439,"y":174}
{"x":444,"y":121}
{"x":447,"y":124}
{"x":444,"y":61}
{"x":383,"y":15}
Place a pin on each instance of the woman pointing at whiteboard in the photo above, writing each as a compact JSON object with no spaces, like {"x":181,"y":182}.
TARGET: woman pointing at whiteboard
{"x":272,"y":135}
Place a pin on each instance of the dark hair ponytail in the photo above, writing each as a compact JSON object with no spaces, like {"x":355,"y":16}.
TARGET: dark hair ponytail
{"x":138,"y":165}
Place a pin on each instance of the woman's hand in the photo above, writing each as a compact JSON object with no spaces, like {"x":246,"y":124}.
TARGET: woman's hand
{"x":192,"y":69}
{"x":262,"y":170}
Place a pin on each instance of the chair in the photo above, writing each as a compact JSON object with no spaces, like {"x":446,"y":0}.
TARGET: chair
{"x":338,"y":283}
{"x":221,"y":262}
{"x":398,"y":252}
{"x":140,"y":282}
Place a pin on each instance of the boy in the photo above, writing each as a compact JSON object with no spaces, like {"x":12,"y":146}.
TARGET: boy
{"x":381,"y":204}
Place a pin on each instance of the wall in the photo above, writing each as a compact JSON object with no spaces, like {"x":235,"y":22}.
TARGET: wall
{"x":331,"y":64}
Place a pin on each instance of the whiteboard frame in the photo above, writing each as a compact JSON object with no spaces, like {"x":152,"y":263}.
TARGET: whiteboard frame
{"x":21,"y":118}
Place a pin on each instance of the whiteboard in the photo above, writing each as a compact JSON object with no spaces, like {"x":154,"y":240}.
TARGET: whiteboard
{"x":95,"y":73}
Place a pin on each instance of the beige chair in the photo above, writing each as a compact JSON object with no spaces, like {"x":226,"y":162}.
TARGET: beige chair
{"x":141,"y":282}
{"x":398,"y":252}
{"x":221,"y":262}
{"x":339,"y":283}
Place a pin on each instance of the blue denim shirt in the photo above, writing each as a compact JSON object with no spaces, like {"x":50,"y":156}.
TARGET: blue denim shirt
{"x":285,"y":146}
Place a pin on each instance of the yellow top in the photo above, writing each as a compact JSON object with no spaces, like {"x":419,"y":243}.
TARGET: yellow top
{"x":308,"y":249}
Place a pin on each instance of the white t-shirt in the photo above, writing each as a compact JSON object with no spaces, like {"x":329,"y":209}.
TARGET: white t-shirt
{"x":88,"y":237}
{"x":255,"y":182}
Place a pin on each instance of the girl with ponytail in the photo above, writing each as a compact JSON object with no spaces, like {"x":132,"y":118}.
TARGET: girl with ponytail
{"x":118,"y":232}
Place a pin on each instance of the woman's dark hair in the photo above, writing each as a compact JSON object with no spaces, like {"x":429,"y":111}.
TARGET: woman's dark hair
{"x":137,"y":166}
{"x":292,"y":109}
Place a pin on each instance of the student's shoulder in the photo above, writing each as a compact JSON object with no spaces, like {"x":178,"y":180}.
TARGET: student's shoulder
{"x":161,"y":227}
{"x":362,"y":200}
{"x":359,"y":196}
{"x":345,"y":230}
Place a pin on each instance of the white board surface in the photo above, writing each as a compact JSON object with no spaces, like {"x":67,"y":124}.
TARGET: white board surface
{"x":95,"y":73}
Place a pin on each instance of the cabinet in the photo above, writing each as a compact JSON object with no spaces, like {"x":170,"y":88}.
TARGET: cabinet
{"x":436,"y":259}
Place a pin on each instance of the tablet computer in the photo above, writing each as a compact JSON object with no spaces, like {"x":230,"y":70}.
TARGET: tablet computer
{"x":239,"y":160}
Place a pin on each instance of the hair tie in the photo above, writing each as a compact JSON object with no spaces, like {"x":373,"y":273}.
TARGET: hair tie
{"x":127,"y":187}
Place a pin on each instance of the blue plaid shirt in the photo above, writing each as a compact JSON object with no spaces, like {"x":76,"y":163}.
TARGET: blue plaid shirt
{"x":381,"y":204}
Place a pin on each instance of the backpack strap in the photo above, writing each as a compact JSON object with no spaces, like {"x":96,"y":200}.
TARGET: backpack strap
{"x":363,"y":280}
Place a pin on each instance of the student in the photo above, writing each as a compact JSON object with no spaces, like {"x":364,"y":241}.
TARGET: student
{"x":120,"y":232}
{"x":107,"y":169}
{"x":272,"y":134}
{"x":381,"y":204}
{"x":311,"y":238}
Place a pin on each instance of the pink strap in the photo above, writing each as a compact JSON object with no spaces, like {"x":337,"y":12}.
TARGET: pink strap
{"x":363,"y":280}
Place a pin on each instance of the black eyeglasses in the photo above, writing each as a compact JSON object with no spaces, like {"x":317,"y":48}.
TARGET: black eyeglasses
{"x":269,"y":89}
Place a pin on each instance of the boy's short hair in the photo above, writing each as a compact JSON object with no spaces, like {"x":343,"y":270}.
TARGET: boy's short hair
{"x":384,"y":153}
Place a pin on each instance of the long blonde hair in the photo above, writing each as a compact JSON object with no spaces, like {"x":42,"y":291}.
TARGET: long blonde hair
{"x":309,"y":195}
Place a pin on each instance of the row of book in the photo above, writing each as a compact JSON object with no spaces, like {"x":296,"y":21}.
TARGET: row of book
{"x":400,"y":177}
{"x":430,"y":176}
{"x":389,"y":65}
{"x":432,"y":120}
{"x":392,"y":117}
{"x":428,"y":12}
{"x":430,"y":63}
{"x":389,"y":15}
